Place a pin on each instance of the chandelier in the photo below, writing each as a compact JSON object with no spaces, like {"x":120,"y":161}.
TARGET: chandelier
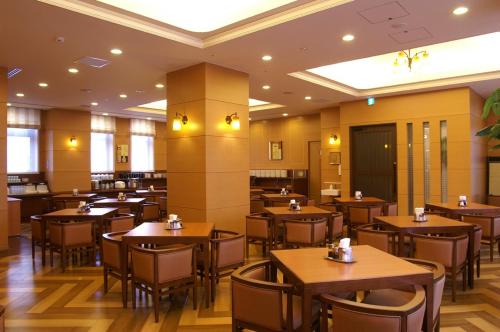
{"x":408,"y":59}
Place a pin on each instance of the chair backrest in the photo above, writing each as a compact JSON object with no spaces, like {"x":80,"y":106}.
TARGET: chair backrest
{"x":163,"y":265}
{"x":391,"y":209}
{"x":258,"y":302}
{"x":445,"y":250}
{"x":257,"y":226}
{"x":375,"y":236}
{"x":363,"y":214}
{"x":355,"y":316}
{"x":163,"y":203}
{"x":331,"y":206}
{"x":151,"y":211}
{"x":228,"y":249}
{"x":336,"y":225}
{"x":478,"y":234}
{"x":111,"y":249}
{"x":256,"y":205}
{"x":302,"y":232}
{"x":36,"y":227}
{"x":72,"y":233}
{"x":439,"y":279}
{"x":121,"y":222}
{"x":489,"y":224}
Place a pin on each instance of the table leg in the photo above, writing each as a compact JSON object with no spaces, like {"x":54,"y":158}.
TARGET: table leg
{"x":471,"y":258}
{"x":306,"y":309}
{"x":429,"y":306}
{"x":44,"y":240}
{"x":401,"y":243}
{"x":206,"y":272}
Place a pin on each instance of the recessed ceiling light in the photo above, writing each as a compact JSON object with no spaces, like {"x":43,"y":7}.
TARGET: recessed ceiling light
{"x":148,"y":118}
{"x":116,"y":51}
{"x":307,"y":97}
{"x":123,"y":96}
{"x":73,"y":70}
{"x":460,"y":10}
{"x":94,"y":103}
{"x":266,"y":87}
{"x":105,"y":114}
{"x":267,"y":58}
{"x":43,"y":85}
{"x":19,"y":94}
{"x":285,"y":114}
{"x":348,"y":38}
{"x":9,"y":104}
{"x":159,"y":86}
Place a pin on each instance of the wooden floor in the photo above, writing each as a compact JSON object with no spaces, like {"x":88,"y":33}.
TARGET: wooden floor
{"x":44,"y":299}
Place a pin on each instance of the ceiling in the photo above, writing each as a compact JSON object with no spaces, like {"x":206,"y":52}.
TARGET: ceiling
{"x":299,"y":36}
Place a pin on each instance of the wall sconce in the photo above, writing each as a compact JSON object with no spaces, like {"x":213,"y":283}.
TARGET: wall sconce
{"x":180,"y":119}
{"x":233,"y":120}
{"x":332,"y":139}
{"x":73,"y":141}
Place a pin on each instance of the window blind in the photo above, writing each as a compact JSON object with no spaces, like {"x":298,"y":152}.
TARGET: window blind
{"x":20,"y":117}
{"x":142,"y":127}
{"x":103,"y":124}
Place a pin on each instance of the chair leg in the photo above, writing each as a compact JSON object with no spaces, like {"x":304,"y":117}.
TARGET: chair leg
{"x":478,"y":266}
{"x":264,"y":248}
{"x":32,"y":249}
{"x":453,"y":285}
{"x":132,"y":284}
{"x":247,"y":247}
{"x":63,"y":259}
{"x":51,"y":251}
{"x":491,"y":250}
{"x":213,"y":278}
{"x":105,"y":274}
{"x":124,"y":291}
{"x":195,"y":295}
{"x":464,"y":279}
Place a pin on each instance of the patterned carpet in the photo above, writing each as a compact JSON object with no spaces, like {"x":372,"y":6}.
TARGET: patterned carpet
{"x":44,"y":299}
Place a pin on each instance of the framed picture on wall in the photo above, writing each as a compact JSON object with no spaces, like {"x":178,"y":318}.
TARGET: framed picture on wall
{"x":276,"y":150}
{"x":334,"y":158}
{"x":122,"y":153}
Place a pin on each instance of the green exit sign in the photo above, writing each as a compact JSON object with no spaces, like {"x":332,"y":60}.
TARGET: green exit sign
{"x":371,"y":101}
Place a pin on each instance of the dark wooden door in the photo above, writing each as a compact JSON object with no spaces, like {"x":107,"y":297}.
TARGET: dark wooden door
{"x":373,"y":161}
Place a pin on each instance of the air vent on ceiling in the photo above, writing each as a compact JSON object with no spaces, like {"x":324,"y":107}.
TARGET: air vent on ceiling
{"x":14,"y":72}
{"x":93,"y":62}
{"x":384,"y":13}
{"x":412,"y":35}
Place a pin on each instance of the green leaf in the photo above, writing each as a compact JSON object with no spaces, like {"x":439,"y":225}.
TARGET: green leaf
{"x":485,"y":131}
{"x":487,"y":106}
{"x":496,"y":108}
{"x":495,"y":131}
{"x":496,"y":147}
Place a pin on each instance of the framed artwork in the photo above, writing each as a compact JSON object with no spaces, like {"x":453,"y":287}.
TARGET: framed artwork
{"x":334,"y":158}
{"x":122,"y":153}
{"x":276,"y":150}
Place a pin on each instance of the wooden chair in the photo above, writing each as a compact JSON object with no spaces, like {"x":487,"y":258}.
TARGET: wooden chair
{"x":37,"y":234}
{"x":478,"y":234}
{"x":303,"y":233}
{"x":390,"y":209}
{"x":331,"y":206}
{"x":259,"y":303}
{"x":360,"y":215}
{"x":258,"y":231}
{"x":397,"y":297}
{"x":120,"y":222}
{"x":112,"y":262}
{"x":65,"y":236}
{"x":227,"y":250}
{"x":335,"y":226}
{"x":375,"y":236}
{"x":150,"y":212}
{"x":163,"y":206}
{"x":449,"y":251}
{"x":163,"y":271}
{"x":354,"y":316}
{"x":491,"y":230}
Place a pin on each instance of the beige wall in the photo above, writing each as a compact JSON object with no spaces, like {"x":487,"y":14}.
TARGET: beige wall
{"x":207,"y":166}
{"x":479,"y":149}
{"x":3,"y":160}
{"x":295,"y":132}
{"x":450,"y":105}
{"x":66,"y":167}
{"x":160,"y":147}
{"x":330,"y":125}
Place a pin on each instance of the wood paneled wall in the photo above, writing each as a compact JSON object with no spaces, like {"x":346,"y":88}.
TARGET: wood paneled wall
{"x":479,"y":149}
{"x":295,"y":132}
{"x":454,"y":106}
{"x":4,"y":245}
{"x":330,"y":125}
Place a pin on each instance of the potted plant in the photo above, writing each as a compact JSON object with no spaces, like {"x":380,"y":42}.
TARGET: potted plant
{"x":492,"y":103}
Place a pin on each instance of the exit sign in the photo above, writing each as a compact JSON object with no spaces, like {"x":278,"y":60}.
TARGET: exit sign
{"x":371,"y":101}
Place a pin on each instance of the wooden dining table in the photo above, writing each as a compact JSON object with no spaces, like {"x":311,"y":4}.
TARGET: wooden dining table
{"x":134,"y":203}
{"x":70,"y":197}
{"x":97,"y":214}
{"x":156,"y":233}
{"x":284,"y":198}
{"x":368,"y":200}
{"x":374,"y":269}
{"x":435,"y":224}
{"x":280,"y":213}
{"x":452,"y":209}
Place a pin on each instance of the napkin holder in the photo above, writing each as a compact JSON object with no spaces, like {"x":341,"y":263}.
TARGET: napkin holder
{"x":420,"y":215}
{"x":75,"y":192}
{"x":284,"y":192}
{"x":358,"y":195}
{"x":174,"y":224}
{"x":122,"y":197}
{"x":294,"y":206}
{"x":83,"y":207}
{"x":462,"y":201}
{"x":151,"y":188}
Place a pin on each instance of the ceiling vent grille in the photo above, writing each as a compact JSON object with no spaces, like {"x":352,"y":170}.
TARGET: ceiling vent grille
{"x":93,"y":62}
{"x":14,"y":72}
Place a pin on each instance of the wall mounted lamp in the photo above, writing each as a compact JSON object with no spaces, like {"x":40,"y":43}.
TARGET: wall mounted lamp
{"x":332,"y":139}
{"x":233,"y":120}
{"x":73,"y":141}
{"x":180,"y":119}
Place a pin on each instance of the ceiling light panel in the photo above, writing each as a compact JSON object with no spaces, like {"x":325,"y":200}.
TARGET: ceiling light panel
{"x":456,"y":58}
{"x":207,"y":16}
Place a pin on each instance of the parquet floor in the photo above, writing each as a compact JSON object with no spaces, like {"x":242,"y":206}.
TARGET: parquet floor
{"x":44,"y":299}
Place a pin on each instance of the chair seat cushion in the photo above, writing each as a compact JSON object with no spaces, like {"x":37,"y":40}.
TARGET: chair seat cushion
{"x":389,"y":297}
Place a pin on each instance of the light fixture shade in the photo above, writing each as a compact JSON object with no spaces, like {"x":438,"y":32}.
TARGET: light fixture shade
{"x":236,"y":123}
{"x":73,"y":141}
{"x":332,"y":139}
{"x":176,"y":124}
